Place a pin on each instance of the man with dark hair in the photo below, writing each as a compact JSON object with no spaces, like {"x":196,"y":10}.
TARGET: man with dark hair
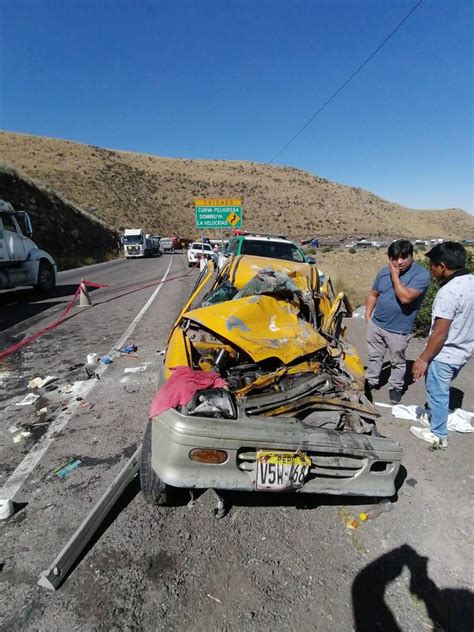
{"x":451,"y":340}
{"x":390,"y":312}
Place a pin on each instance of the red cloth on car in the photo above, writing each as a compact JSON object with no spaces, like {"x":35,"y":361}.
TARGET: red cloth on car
{"x":181,"y":386}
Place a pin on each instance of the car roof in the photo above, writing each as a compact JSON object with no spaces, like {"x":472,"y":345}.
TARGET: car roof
{"x":275,"y":238}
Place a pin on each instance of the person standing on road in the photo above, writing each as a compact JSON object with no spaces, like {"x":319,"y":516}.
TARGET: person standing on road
{"x":451,"y":340}
{"x":215,"y":256}
{"x":390,"y":312}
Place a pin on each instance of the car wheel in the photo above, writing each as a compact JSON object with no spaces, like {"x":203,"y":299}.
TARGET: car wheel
{"x":46,"y":281}
{"x":155,"y":491}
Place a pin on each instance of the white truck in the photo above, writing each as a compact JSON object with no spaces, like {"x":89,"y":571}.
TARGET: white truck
{"x":137,"y":244}
{"x":21,"y":261}
{"x":166,"y":245}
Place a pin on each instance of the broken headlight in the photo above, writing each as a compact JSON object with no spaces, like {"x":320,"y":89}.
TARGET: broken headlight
{"x":214,"y":402}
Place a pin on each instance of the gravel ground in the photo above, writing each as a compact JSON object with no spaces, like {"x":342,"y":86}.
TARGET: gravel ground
{"x":273,"y":561}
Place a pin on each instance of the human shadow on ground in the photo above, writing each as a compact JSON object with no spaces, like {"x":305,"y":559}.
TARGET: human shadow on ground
{"x":450,"y":609}
{"x":456,"y":396}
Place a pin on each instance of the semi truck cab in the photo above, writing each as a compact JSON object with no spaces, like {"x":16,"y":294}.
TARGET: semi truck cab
{"x":21,"y":261}
{"x":137,"y":244}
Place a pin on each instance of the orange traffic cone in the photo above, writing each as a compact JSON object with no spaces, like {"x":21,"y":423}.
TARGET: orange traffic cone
{"x":85,"y":300}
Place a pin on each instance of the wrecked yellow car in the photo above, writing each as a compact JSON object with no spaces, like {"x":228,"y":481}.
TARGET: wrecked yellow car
{"x":260,"y":391}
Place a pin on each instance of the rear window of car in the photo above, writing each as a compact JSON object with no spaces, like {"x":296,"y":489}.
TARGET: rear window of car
{"x":274,"y":249}
{"x":197,"y":246}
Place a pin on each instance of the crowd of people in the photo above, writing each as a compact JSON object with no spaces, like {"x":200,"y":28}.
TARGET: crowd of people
{"x":391,"y":309}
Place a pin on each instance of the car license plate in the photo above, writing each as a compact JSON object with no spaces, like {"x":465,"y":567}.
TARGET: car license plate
{"x":278,"y":471}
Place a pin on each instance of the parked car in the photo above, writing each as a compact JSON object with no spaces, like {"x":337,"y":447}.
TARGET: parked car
{"x":283,"y":407}
{"x":197,"y":250}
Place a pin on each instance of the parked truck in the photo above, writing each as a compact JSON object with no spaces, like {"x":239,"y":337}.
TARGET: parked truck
{"x":21,"y":261}
{"x":166,"y":245}
{"x":138,"y":244}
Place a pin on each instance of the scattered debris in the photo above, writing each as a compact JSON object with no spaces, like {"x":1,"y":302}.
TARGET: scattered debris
{"x":106,"y":359}
{"x":6,"y":508}
{"x":130,"y":348}
{"x":28,"y":399}
{"x":69,"y":389}
{"x":135,"y":369}
{"x":42,"y":411}
{"x":382,"y":507}
{"x":92,"y":364}
{"x":21,"y":435}
{"x":411,"y":482}
{"x":347,"y":519}
{"x":66,"y":468}
{"x":35,"y":382}
{"x":131,"y":388}
{"x":13,"y":429}
{"x":91,"y":372}
{"x":74,"y":367}
{"x":214,"y":598}
{"x":39,"y":382}
{"x":92,"y":359}
{"x":87,"y":405}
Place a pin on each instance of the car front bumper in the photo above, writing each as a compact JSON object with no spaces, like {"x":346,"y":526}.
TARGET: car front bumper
{"x":343,"y":463}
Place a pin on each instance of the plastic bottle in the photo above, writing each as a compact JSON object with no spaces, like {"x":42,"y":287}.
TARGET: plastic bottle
{"x":383,"y":506}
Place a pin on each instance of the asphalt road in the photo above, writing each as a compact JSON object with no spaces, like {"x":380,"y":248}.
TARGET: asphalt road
{"x":274,"y":562}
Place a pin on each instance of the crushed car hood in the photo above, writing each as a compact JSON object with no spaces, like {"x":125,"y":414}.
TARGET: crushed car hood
{"x":264,"y":326}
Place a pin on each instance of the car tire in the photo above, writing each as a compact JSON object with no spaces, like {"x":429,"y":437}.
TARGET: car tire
{"x":46,"y":281}
{"x":155,"y":491}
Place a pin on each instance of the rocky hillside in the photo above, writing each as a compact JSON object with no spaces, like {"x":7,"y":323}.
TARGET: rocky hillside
{"x":125,"y":189}
{"x":71,"y":235}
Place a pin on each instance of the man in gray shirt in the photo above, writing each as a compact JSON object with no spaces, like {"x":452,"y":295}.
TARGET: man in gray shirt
{"x":390,"y":312}
{"x":451,"y":340}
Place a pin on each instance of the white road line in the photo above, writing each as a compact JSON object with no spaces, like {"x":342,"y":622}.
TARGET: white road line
{"x":20,"y":474}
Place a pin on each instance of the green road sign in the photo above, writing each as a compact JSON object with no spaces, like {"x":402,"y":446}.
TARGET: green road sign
{"x":218,"y":213}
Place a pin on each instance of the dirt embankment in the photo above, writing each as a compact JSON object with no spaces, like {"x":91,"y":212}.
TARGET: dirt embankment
{"x":126,"y":189}
{"x":72,"y":236}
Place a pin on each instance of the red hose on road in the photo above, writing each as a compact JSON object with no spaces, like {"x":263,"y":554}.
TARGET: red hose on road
{"x":62,"y":317}
{"x":38,"y":334}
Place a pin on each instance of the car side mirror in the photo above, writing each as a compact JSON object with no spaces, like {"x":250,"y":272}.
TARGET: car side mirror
{"x":311,"y":260}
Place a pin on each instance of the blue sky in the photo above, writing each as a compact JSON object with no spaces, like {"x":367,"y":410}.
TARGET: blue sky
{"x":237,"y":79}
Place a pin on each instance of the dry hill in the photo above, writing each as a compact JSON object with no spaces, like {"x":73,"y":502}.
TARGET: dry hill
{"x":125,"y":189}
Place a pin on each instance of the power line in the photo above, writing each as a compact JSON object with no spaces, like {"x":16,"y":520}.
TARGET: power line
{"x":371,"y":56}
